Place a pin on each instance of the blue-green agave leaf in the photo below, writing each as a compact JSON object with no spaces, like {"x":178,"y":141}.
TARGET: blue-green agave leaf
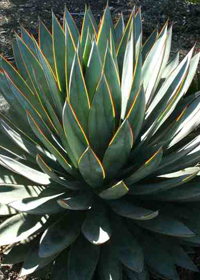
{"x":33,"y":262}
{"x":58,"y":38}
{"x":101,"y":121}
{"x":96,"y":226}
{"x":109,"y":266}
{"x":91,"y":168}
{"x":60,"y":234}
{"x":78,"y":201}
{"x":118,"y":148}
{"x":82,"y":265}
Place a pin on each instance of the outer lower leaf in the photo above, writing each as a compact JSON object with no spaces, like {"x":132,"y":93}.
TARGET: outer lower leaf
{"x":43,"y":272}
{"x":109,"y":266}
{"x":118,"y":150}
{"x":27,"y":172}
{"x":74,"y":132}
{"x":127,"y":248}
{"x":41,"y":135}
{"x":91,"y":168}
{"x":27,"y":104}
{"x":18,"y":253}
{"x":15,"y":153}
{"x":20,"y":64}
{"x":82,"y":265}
{"x":19,"y":227}
{"x":116,"y":191}
{"x":101,"y":122}
{"x":14,"y":190}
{"x":54,"y":92}
{"x":158,"y":259}
{"x":23,"y":140}
{"x":5,"y":210}
{"x":38,"y":205}
{"x":33,"y":262}
{"x":96,"y":226}
{"x":61,"y":234}
{"x":11,"y":99}
{"x":181,"y":258}
{"x":167,"y":225}
{"x":33,"y":65}
{"x":19,"y":83}
{"x":132,"y":275}
{"x":60,"y":267}
{"x":54,"y":117}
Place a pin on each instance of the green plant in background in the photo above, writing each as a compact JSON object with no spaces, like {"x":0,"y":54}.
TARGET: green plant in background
{"x":99,"y":171}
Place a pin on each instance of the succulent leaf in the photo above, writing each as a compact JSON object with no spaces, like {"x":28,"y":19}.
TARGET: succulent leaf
{"x":20,"y":227}
{"x":45,"y":43}
{"x":101,"y":120}
{"x":91,"y":168}
{"x":119,"y":148}
{"x":96,"y":227}
{"x":60,"y":234}
{"x":58,"y":38}
{"x":82,"y":266}
{"x":109,"y":266}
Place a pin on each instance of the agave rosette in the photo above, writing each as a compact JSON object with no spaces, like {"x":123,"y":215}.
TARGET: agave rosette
{"x":99,"y":171}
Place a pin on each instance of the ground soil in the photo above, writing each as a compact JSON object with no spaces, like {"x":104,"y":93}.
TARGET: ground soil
{"x":184,"y":16}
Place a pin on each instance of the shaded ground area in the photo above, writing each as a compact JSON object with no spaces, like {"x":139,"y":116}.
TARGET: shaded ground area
{"x":184,"y":16}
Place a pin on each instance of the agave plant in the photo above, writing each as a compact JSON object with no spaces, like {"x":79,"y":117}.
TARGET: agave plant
{"x":99,"y":168}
